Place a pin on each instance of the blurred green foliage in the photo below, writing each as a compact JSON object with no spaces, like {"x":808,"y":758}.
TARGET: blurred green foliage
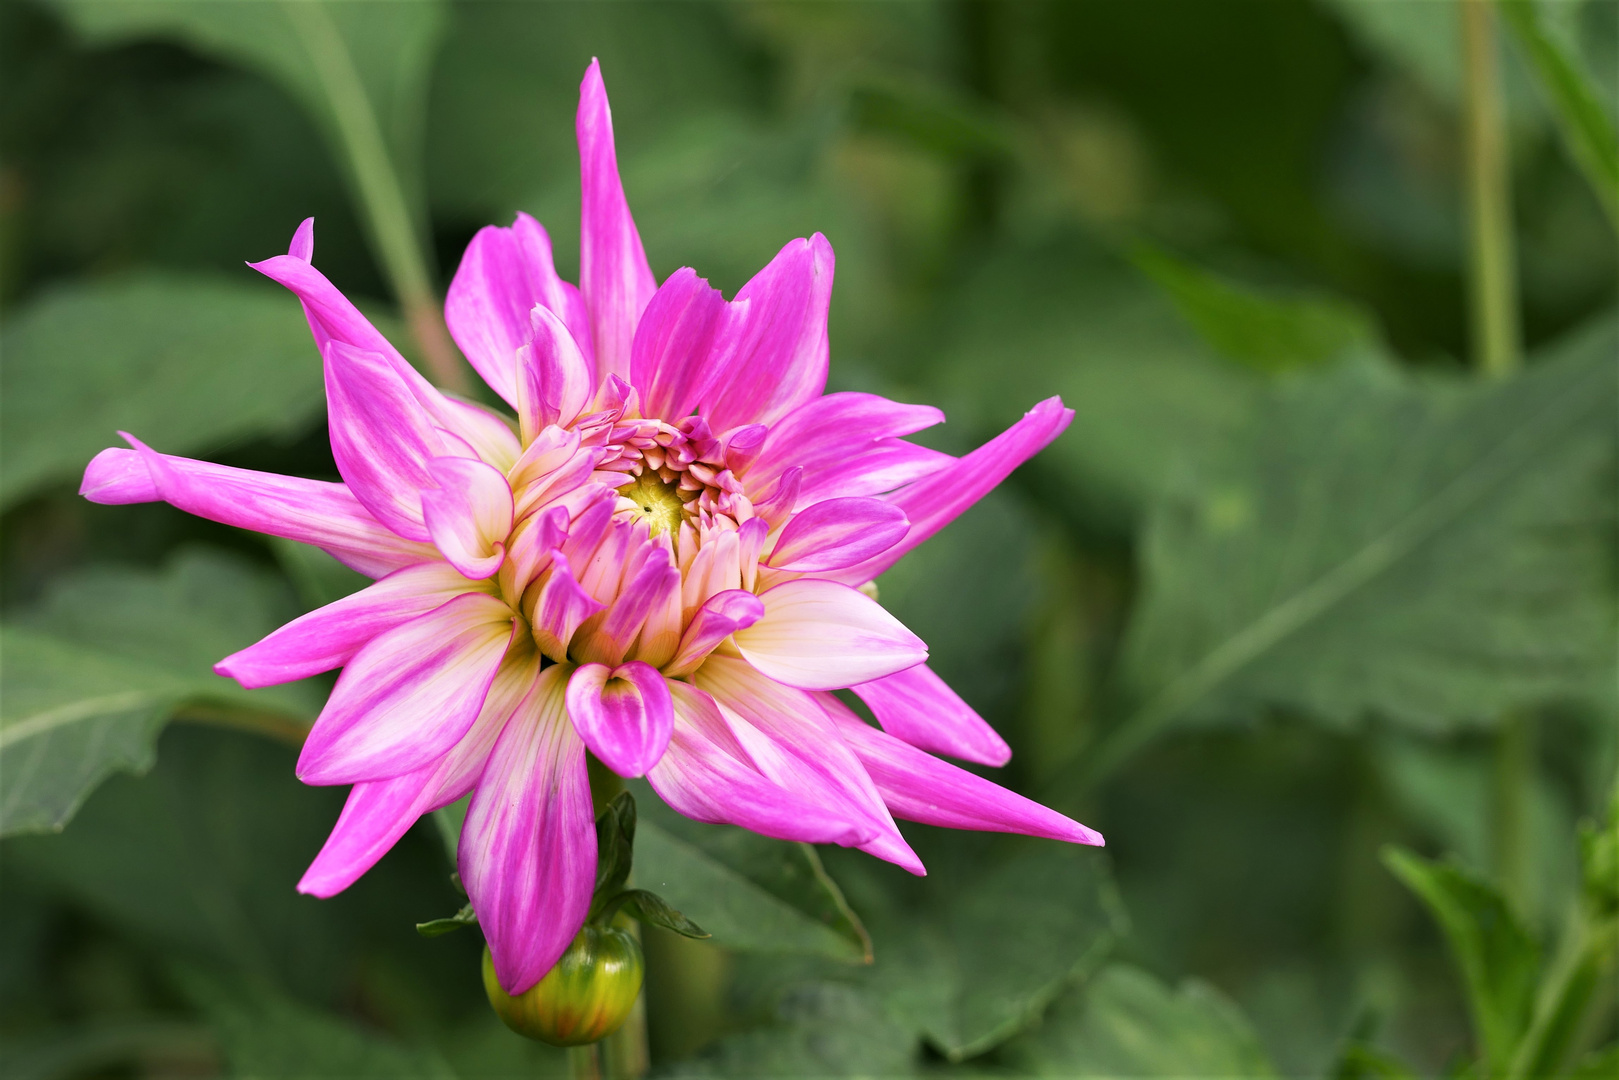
{"x":1256,"y":616}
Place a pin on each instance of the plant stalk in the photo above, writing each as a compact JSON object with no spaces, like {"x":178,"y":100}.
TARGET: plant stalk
{"x":584,"y":1062}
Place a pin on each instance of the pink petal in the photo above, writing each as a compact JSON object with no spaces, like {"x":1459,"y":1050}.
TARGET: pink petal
{"x":559,"y":608}
{"x":883,"y":466}
{"x":936,"y":501}
{"x":303,"y":241}
{"x":915,"y":705}
{"x":381,"y":437}
{"x":819,"y":635}
{"x":528,"y":847}
{"x":469,"y":514}
{"x":706,"y":775}
{"x":672,"y":362}
{"x":919,"y":787}
{"x":554,"y":380}
{"x":774,"y":343}
{"x":379,"y":812}
{"x":837,"y":533}
{"x":504,"y":275}
{"x":624,"y":714}
{"x":310,"y":511}
{"x":330,"y":636}
{"x":721,"y":615}
{"x":653,"y":582}
{"x":613,"y":271}
{"x":409,"y":694}
{"x":831,"y":429}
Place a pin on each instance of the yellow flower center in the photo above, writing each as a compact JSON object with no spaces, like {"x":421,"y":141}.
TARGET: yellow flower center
{"x":658,"y":503}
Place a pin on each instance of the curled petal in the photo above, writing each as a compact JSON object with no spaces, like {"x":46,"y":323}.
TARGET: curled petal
{"x":528,"y":847}
{"x":652,"y":584}
{"x":557,"y":608}
{"x":469,"y":514}
{"x":553,"y":380}
{"x":938,"y":499}
{"x":381,"y":437}
{"x":881,"y":467}
{"x":832,"y":429}
{"x":624,"y":714}
{"x":504,"y":274}
{"x":408,"y":695}
{"x":671,"y":359}
{"x":917,"y":706}
{"x":837,"y":533}
{"x":328,"y":637}
{"x":310,"y":511}
{"x":819,"y":635}
{"x":707,"y":776}
{"x":613,"y":271}
{"x":721,"y":615}
{"x":919,"y":787}
{"x":379,"y":812}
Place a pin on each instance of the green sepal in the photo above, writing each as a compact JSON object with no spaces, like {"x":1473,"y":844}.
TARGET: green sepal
{"x":437,"y":927}
{"x":615,"y":847}
{"x":653,"y":910}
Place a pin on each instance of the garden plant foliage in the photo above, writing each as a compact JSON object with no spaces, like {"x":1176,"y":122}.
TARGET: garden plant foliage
{"x":1311,"y":620}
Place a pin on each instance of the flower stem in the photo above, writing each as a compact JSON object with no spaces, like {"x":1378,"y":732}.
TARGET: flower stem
{"x":382,"y":194}
{"x":1497,"y":352}
{"x":584,"y":1062}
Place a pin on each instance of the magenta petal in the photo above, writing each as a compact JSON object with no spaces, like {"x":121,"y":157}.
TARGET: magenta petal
{"x":919,"y":787}
{"x":831,"y":429}
{"x":721,"y":615}
{"x":469,"y":514}
{"x":303,"y":241}
{"x":560,"y":607}
{"x":624,"y":714}
{"x":918,"y":707}
{"x":331,"y":315}
{"x":706,"y":775}
{"x":528,"y":847}
{"x":837,"y":533}
{"x":613,"y":271}
{"x":774,"y":342}
{"x":653,"y":582}
{"x":409,"y":694}
{"x":310,"y":511}
{"x":554,"y":378}
{"x":330,"y":636}
{"x":381,"y":437}
{"x":819,"y":635}
{"x":883,"y":466}
{"x":936,"y":501}
{"x":504,"y":274}
{"x":671,"y":359}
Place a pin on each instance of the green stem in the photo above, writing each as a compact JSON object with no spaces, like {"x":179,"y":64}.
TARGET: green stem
{"x":272,"y":725}
{"x":625,"y":1049}
{"x":382,"y":195}
{"x":584,"y":1062}
{"x":1513,"y":780}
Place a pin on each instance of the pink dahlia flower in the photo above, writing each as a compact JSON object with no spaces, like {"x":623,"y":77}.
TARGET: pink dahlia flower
{"x":665,"y":560}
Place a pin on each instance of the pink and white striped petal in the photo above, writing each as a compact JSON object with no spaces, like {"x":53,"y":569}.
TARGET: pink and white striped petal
{"x":469,"y":514}
{"x":310,"y":511}
{"x":624,"y":714}
{"x":937,"y":500}
{"x":614,"y":276}
{"x":880,"y":468}
{"x":774,"y":342}
{"x":328,"y":637}
{"x":381,"y":437}
{"x":558,"y":609}
{"x":706,"y":775}
{"x":528,"y":847}
{"x":721,"y":615}
{"x":837,"y":533}
{"x":819,"y":635}
{"x":918,"y":707}
{"x":835,"y":428}
{"x":672,"y":360}
{"x":379,"y":812}
{"x":504,"y":274}
{"x":408,"y":695}
{"x":919,"y":787}
{"x":554,"y":381}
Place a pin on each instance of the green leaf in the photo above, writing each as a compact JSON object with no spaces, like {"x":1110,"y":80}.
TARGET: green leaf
{"x":1497,"y":958}
{"x":615,"y":846}
{"x":95,"y":669}
{"x":651,"y":909}
{"x":1360,"y":1061}
{"x":438,"y":927}
{"x":361,"y":71}
{"x":1268,"y":332}
{"x":1587,"y":127}
{"x":86,"y":1049}
{"x":818,"y":1030}
{"x":187,"y":361}
{"x":1429,"y":551}
{"x":753,"y":894}
{"x":1125,"y":1022}
{"x":990,"y":938}
{"x":1597,"y":1065}
{"x":265,"y":1034}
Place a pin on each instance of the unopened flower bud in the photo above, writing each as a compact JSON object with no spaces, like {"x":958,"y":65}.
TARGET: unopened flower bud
{"x":585,"y":997}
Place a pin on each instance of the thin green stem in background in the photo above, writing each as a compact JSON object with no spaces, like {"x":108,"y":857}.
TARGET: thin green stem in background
{"x":382,"y":196}
{"x":584,"y":1062}
{"x":1497,"y":352}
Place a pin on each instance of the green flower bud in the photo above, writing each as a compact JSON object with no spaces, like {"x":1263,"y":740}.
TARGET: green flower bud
{"x":586,"y":997}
